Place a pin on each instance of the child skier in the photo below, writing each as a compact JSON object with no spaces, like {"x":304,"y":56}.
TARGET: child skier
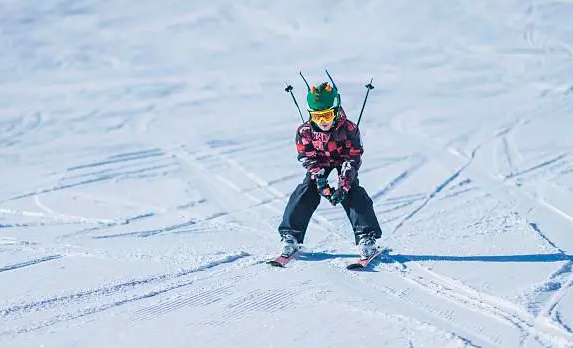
{"x":328,"y":141}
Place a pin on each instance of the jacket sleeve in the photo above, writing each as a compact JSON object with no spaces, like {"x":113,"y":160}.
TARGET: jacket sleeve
{"x":305,"y":149}
{"x":352,"y":157}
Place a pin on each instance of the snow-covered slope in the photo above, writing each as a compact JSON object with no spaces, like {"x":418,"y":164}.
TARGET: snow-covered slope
{"x":146,"y":153}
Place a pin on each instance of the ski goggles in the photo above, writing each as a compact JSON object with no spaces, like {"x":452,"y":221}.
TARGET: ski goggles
{"x":323,"y":115}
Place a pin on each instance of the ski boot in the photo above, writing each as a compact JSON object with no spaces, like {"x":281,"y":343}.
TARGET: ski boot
{"x":367,"y":246}
{"x":290,"y":245}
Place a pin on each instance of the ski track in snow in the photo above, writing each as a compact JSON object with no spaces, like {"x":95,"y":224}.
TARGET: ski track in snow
{"x":432,"y":194}
{"x":95,"y":295}
{"x":12,"y":131}
{"x":492,"y":306}
{"x":541,"y":165}
{"x":469,"y":297}
{"x":241,"y":307}
{"x":507,"y":144}
{"x":202,"y":298}
{"x":528,"y":325}
{"x":271,"y":300}
{"x":372,"y":289}
{"x":396,"y":181}
{"x":29,"y":263}
{"x":464,"y":296}
{"x":165,"y":283}
{"x":140,"y":169}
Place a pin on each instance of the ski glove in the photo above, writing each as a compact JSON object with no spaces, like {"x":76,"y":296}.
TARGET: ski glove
{"x":338,"y":196}
{"x":322,"y":184}
{"x":347,"y":175}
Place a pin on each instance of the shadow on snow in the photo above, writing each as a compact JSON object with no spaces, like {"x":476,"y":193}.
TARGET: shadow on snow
{"x":486,"y":258}
{"x":403,"y":258}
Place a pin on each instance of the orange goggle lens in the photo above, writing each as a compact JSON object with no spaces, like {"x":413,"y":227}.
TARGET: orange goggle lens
{"x":326,"y":115}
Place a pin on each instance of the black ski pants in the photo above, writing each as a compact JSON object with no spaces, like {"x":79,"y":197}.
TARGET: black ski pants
{"x":305,"y":199}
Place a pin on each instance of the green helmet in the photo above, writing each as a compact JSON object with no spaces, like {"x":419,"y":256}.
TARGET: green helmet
{"x":322,"y":97}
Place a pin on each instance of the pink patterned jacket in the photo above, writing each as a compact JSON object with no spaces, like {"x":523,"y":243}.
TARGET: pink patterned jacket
{"x":340,"y":147}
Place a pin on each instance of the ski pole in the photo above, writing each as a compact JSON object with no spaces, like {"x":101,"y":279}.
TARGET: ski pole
{"x":333,"y":85}
{"x":305,"y":81}
{"x":369,"y":87}
{"x":331,"y":79}
{"x":289,"y":89}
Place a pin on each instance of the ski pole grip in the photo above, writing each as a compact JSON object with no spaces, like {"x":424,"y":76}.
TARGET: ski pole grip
{"x":368,"y":87}
{"x":289,"y":89}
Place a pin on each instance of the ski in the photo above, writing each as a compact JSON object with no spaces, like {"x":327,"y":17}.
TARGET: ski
{"x":281,"y":261}
{"x":361,"y":264}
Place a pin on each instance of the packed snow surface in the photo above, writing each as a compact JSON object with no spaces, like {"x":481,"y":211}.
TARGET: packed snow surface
{"x":147,"y":154}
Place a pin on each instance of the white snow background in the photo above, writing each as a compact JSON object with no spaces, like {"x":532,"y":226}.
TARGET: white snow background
{"x":147,"y":154}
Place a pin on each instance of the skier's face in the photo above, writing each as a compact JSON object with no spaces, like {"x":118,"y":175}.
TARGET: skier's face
{"x":325,"y":126}
{"x":324,"y":119}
